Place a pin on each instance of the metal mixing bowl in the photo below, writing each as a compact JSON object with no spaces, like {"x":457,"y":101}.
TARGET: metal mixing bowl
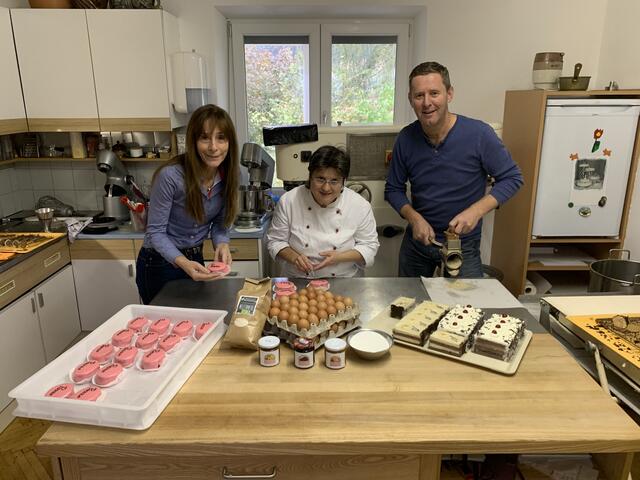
{"x":369,"y":355}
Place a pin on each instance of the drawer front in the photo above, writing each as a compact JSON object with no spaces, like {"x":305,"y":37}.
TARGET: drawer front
{"x":103,"y":250}
{"x":28,"y":273}
{"x":241,"y":249}
{"x":309,"y":467}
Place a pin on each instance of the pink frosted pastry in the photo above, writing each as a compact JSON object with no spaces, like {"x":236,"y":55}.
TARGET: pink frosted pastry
{"x":122,"y":338}
{"x":202,"y":329}
{"x":160,"y":326}
{"x":108,"y":375}
{"x":285,"y":285}
{"x":90,"y":394}
{"x":64,"y":390}
{"x":152,"y":360}
{"x":138,"y":324}
{"x":219,"y":267}
{"x":147,"y":340}
{"x":284,"y":292}
{"x":170,"y":342}
{"x":126,"y":356}
{"x":183,"y":328}
{"x":102,"y":353}
{"x":85,"y":371}
{"x":320,"y":284}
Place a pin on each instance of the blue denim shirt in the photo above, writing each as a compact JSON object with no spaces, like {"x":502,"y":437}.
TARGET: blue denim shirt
{"x":169,"y":225}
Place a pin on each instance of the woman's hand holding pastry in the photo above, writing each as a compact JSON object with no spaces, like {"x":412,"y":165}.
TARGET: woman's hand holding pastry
{"x":303,"y":264}
{"x":195,"y":270}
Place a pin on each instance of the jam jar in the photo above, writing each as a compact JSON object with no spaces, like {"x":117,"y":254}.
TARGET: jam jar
{"x":269,"y":351}
{"x":334,"y":353}
{"x":303,"y":352}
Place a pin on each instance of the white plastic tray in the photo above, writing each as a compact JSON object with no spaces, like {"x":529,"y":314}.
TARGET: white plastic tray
{"x":140,"y":397}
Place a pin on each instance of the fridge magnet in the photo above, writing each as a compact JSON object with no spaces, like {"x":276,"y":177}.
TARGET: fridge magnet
{"x":596,"y":137}
{"x":573,"y":156}
{"x":606,"y":152}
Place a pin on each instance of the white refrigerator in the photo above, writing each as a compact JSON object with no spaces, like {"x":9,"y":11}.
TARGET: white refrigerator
{"x":584,"y":167}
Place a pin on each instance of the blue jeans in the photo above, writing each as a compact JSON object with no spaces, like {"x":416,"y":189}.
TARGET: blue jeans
{"x":418,"y":259}
{"x":153,"y":271}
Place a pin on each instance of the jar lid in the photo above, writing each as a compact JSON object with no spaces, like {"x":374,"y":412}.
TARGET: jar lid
{"x":268,"y":342}
{"x":335,"y":344}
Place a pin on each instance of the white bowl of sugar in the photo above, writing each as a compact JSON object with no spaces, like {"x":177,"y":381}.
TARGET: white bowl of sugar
{"x":369,"y":343}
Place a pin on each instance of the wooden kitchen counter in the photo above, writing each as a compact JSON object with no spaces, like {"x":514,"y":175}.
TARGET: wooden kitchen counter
{"x":387,"y":419}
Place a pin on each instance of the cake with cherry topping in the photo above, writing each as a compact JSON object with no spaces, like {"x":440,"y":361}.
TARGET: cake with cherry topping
{"x":499,"y":336}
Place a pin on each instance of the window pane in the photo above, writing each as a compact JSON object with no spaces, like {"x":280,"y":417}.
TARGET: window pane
{"x":362,"y":79}
{"x":277,"y":83}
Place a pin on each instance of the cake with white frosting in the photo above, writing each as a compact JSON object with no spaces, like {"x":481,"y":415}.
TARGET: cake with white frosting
{"x":455,"y":329}
{"x":499,"y":336}
{"x":417,"y":325}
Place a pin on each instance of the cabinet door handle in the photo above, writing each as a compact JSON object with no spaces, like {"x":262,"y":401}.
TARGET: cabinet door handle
{"x":130,"y":270}
{"x":40,"y":300}
{"x":230,"y":476}
{"x":33,"y":305}
{"x":52,"y":259}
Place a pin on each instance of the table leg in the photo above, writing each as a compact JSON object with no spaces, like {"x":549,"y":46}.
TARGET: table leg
{"x":70,"y":468}
{"x":430,"y":467}
{"x":614,"y":466}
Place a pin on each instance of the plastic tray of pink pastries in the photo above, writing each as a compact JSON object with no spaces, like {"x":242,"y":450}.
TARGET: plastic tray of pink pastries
{"x":140,"y":396}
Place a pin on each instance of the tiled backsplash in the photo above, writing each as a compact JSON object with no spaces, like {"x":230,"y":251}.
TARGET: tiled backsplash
{"x":79,"y":184}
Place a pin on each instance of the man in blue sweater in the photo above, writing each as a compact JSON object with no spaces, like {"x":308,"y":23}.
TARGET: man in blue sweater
{"x":446,"y":158}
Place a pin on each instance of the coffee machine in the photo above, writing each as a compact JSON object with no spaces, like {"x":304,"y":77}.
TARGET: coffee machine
{"x":117,"y":184}
{"x":253,"y":199}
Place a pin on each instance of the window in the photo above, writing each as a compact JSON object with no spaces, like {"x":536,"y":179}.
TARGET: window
{"x":285,"y":73}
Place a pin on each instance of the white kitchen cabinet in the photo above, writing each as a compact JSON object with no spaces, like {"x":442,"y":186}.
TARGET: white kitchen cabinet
{"x":12,"y":116}
{"x":129,"y":64}
{"x":58,"y":312}
{"x":56,"y":71}
{"x":103,"y":287}
{"x":20,"y":344}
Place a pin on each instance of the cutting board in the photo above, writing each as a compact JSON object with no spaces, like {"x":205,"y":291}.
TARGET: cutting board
{"x":25,"y":242}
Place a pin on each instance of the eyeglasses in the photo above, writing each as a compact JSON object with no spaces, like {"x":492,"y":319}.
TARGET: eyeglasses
{"x":321,"y":181}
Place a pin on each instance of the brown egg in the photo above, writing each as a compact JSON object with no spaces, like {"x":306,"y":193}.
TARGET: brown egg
{"x":339,"y":298}
{"x":313,"y":319}
{"x":303,"y":291}
{"x":293,"y":310}
{"x":322,"y":305}
{"x":284,"y":315}
{"x":283,"y":300}
{"x":303,"y":324}
{"x":331,"y":310}
{"x":293,"y":319}
{"x":328,"y":294}
{"x":303,"y":306}
{"x":303,"y":299}
{"x":334,"y":327}
{"x":303,"y":314}
{"x":339,"y":306}
{"x":320,"y":297}
{"x":275,"y":303}
{"x":322,"y":314}
{"x":313,"y":309}
{"x":348,"y":302}
{"x":294,"y":296}
{"x":294,"y":302}
{"x":311,"y":294}
{"x":313,"y":301}
{"x":330,"y":301}
{"x":274,"y":311}
{"x":284,"y":308}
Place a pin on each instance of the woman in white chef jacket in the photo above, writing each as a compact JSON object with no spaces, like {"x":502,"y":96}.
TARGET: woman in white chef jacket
{"x":322,"y":229}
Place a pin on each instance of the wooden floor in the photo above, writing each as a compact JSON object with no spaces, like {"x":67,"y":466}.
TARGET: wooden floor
{"x":18,"y":460}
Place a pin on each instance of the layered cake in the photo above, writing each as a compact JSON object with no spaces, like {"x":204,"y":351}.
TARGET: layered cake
{"x":400,"y":306}
{"x":447,"y":342}
{"x":499,"y":336}
{"x":416,"y":327}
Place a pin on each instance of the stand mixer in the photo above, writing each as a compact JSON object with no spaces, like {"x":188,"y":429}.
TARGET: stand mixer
{"x":253,"y":199}
{"x":118,"y":184}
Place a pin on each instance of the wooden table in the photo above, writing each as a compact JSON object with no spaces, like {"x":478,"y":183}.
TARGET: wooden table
{"x":388,"y":419}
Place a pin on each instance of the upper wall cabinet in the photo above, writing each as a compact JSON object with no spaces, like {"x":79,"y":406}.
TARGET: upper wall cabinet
{"x":55,"y":65}
{"x":12,"y":117}
{"x":129,"y":66}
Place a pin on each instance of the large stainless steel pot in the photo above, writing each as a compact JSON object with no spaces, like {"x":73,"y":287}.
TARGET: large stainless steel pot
{"x":615,"y":274}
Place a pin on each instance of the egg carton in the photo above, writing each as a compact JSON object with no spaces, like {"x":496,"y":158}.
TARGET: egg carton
{"x":346,"y":320}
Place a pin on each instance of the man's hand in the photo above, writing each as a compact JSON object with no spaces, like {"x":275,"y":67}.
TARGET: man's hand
{"x":465,"y":221}
{"x":330,"y":258}
{"x":303,"y":264}
{"x":422,"y":230}
{"x":195,"y":270}
{"x":222,"y":253}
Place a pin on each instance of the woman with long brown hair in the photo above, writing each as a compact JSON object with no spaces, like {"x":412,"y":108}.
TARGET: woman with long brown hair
{"x":193,"y":197}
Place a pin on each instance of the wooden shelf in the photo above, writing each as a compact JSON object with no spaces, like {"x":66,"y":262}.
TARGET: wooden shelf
{"x":539,"y":267}
{"x":538,"y":241}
